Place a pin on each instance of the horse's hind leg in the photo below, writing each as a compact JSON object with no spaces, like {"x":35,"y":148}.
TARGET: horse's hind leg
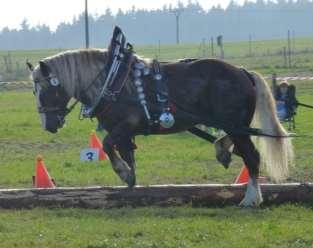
{"x":251,"y":157}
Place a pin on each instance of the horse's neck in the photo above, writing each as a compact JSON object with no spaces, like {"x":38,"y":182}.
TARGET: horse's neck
{"x":80,"y":80}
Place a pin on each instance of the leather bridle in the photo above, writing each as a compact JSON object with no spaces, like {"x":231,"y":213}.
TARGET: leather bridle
{"x":57,"y":109}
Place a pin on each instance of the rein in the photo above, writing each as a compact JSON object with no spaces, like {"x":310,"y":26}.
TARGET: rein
{"x":237,"y":130}
{"x":305,"y":105}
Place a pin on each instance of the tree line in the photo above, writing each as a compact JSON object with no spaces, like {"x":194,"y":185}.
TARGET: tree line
{"x":257,"y":20}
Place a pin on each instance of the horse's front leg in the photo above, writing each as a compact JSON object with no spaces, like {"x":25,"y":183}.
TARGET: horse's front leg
{"x":116,"y":140}
{"x":126,"y":149}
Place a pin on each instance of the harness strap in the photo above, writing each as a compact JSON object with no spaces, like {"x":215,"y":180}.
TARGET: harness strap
{"x":116,"y":71}
{"x":166,"y":119}
{"x":161,"y":86}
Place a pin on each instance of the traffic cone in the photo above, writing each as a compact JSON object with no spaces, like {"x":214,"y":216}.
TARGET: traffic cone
{"x":243,"y":176}
{"x":97,"y":144}
{"x":42,"y":178}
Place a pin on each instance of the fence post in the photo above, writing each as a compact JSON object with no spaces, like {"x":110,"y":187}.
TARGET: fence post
{"x":293,"y":42}
{"x":220,"y":43}
{"x":285,"y":56}
{"x":250,"y":46}
{"x":203,"y":48}
{"x":212,"y":46}
{"x":159,"y":48}
{"x":289,"y":50}
{"x":274,"y":84}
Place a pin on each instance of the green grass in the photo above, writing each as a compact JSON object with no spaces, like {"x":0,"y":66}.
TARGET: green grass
{"x":180,"y":158}
{"x":284,"y":226}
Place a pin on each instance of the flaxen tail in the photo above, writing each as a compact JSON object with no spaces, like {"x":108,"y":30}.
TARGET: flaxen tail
{"x":276,"y":153}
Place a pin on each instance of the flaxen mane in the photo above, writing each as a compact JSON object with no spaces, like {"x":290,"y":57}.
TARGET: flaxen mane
{"x":71,"y":69}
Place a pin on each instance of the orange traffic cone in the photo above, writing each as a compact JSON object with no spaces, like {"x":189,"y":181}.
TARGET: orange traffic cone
{"x":97,"y":144}
{"x":42,"y":178}
{"x":243,"y":176}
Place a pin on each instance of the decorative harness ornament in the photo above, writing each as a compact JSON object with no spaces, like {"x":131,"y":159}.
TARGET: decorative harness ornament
{"x":166,"y":119}
{"x":120,"y":63}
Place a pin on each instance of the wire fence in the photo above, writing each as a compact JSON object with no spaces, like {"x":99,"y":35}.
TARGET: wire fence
{"x":265,"y":58}
{"x":15,"y":86}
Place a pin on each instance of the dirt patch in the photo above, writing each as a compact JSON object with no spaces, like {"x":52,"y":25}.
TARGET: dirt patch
{"x":16,"y":86}
{"x":18,"y":145}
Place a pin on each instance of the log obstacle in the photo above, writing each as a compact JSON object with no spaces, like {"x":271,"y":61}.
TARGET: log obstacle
{"x":157,"y":195}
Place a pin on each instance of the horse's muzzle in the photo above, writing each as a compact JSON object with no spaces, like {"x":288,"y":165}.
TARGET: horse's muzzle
{"x":52,"y":125}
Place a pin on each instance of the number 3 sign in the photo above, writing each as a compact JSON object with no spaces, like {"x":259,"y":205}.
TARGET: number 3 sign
{"x":89,"y":154}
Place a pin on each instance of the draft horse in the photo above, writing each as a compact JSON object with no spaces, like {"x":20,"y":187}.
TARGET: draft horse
{"x":207,"y":91}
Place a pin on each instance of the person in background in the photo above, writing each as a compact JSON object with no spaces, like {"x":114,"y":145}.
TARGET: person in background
{"x":286,"y":102}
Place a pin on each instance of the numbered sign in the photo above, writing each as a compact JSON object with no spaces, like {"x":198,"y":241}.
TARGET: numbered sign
{"x":89,"y":154}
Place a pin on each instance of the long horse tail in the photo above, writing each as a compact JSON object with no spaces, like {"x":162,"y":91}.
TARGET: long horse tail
{"x":276,"y":153}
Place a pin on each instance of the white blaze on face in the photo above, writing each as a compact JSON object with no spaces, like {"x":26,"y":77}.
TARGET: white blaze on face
{"x":43,"y":116}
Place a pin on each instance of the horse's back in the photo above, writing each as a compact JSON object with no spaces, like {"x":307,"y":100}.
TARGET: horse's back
{"x":221,"y":90}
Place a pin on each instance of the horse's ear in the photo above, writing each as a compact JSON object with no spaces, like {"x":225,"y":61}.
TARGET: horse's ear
{"x":44,"y":68}
{"x":30,"y":66}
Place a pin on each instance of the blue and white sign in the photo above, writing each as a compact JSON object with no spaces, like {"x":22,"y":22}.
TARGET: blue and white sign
{"x":89,"y":154}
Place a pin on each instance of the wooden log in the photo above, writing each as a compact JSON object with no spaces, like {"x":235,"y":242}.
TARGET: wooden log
{"x":158,"y":195}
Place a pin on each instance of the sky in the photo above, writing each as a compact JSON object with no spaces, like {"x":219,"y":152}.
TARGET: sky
{"x":52,"y":12}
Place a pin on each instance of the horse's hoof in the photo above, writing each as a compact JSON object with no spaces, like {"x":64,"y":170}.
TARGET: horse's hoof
{"x":246,"y":203}
{"x":253,"y":196}
{"x":131,"y":179}
{"x":128,"y":177}
{"x":224,"y":158}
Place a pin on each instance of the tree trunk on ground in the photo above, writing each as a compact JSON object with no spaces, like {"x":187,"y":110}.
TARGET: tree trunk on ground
{"x":159,"y":195}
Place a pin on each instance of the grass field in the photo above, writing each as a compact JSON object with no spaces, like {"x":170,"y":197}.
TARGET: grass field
{"x":179,"y":158}
{"x":284,"y":226}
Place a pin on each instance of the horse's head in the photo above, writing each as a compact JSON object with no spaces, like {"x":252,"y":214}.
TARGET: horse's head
{"x":52,"y":98}
{"x":59,"y":78}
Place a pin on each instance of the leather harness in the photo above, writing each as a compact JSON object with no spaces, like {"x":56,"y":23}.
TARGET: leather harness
{"x":121,"y":63}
